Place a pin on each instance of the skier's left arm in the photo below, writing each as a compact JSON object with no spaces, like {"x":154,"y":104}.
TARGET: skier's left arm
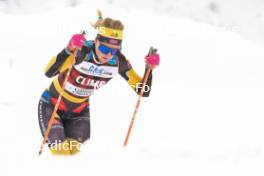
{"x":133,"y":79}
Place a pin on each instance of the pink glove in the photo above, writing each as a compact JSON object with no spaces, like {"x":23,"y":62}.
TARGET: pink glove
{"x":153,"y":59}
{"x":76,"y":41}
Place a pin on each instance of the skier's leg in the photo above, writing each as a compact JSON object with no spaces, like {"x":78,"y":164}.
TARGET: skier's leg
{"x":57,"y":140}
{"x":74,"y":146}
{"x":77,"y":130}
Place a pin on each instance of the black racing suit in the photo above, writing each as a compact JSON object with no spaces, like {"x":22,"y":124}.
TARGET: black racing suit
{"x":87,"y":75}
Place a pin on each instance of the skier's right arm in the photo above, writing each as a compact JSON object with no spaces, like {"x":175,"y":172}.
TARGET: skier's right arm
{"x":56,"y":63}
{"x":63,"y":60}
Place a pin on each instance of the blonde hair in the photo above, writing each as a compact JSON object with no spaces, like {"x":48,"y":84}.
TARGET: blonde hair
{"x":112,"y":23}
{"x":107,"y":22}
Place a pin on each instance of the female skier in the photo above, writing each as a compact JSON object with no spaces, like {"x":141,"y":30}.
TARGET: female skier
{"x":96,"y":62}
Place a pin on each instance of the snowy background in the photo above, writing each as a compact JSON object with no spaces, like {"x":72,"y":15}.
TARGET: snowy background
{"x":245,"y":17}
{"x":204,"y":116}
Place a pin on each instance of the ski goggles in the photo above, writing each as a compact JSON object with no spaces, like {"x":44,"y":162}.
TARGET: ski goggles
{"x":106,"y":50}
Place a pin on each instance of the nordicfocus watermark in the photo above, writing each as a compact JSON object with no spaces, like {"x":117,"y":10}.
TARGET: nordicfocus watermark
{"x":139,"y":86}
{"x":58,"y":145}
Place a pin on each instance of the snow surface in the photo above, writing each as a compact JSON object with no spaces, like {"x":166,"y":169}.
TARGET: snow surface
{"x":204,"y":116}
{"x":245,"y":17}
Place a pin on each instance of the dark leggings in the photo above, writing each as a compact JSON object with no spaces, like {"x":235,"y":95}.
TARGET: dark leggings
{"x":66,"y":125}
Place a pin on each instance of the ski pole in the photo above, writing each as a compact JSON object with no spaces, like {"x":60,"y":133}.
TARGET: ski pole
{"x":151,"y":51}
{"x":57,"y":105}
